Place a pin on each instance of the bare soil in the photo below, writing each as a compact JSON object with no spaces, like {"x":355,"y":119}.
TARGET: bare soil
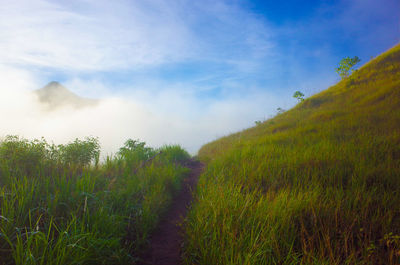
{"x":166,"y":241}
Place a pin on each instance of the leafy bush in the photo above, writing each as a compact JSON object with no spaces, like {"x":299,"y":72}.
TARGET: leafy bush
{"x":174,"y":153}
{"x":80,"y":152}
{"x":134,"y":149}
{"x":50,"y":213}
{"x":21,"y":157}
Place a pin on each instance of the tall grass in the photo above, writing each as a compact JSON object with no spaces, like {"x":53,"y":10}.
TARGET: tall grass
{"x":318,"y":184}
{"x":59,"y":206}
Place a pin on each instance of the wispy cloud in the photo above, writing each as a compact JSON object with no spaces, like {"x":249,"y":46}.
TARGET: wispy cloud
{"x":114,"y":35}
{"x":98,"y":36}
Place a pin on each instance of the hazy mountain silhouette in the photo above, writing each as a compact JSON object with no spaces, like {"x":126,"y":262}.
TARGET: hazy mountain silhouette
{"x":54,"y":95}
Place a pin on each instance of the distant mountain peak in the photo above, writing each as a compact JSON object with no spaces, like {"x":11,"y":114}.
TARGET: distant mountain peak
{"x":55,"y":87}
{"x":54,"y":95}
{"x":53,"y":83}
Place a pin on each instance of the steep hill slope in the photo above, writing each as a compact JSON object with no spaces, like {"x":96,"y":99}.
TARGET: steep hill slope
{"x":318,"y":184}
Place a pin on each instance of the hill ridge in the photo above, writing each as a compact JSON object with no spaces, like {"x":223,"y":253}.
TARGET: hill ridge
{"x":317,"y":184}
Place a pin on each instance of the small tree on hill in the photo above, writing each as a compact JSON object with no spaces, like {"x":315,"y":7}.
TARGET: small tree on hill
{"x":346,"y":65}
{"x":280,"y":110}
{"x":299,"y":96}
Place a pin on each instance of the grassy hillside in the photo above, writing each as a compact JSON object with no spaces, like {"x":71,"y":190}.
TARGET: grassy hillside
{"x":318,"y":184}
{"x":59,"y":206}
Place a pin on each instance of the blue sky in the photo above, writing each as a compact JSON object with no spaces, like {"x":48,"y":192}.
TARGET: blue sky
{"x":211,"y":67}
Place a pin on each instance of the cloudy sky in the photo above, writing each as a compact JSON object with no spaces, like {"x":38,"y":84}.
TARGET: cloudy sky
{"x":177,"y":71}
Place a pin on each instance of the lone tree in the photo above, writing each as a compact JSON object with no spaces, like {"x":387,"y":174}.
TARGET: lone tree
{"x":280,"y":110}
{"x":345,"y":65}
{"x":299,"y":96}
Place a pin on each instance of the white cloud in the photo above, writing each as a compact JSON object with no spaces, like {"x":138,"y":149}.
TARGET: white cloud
{"x":101,"y":35}
{"x":112,"y":35}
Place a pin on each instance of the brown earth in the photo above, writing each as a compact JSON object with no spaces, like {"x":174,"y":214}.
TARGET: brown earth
{"x":166,"y":241}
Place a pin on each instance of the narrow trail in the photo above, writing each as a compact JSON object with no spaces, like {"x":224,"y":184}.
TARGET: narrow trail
{"x":166,"y":241}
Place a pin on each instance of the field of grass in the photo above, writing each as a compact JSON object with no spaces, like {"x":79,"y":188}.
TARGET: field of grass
{"x":59,"y":205}
{"x":318,"y":184}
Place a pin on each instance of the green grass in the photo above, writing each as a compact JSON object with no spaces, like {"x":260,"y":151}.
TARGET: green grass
{"x":318,"y":184}
{"x":58,"y":206}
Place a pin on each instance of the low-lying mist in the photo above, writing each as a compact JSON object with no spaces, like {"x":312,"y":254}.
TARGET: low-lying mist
{"x":166,"y":118}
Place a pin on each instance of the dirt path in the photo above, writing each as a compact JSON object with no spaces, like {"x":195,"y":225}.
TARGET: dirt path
{"x":166,"y":241}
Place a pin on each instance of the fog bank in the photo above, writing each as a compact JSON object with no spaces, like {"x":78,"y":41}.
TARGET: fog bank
{"x":167,"y":117}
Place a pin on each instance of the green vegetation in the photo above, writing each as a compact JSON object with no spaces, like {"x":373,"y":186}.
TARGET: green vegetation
{"x":280,"y":110}
{"x":59,"y":205}
{"x":299,"y":96}
{"x":318,"y":184}
{"x":346,"y":65}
